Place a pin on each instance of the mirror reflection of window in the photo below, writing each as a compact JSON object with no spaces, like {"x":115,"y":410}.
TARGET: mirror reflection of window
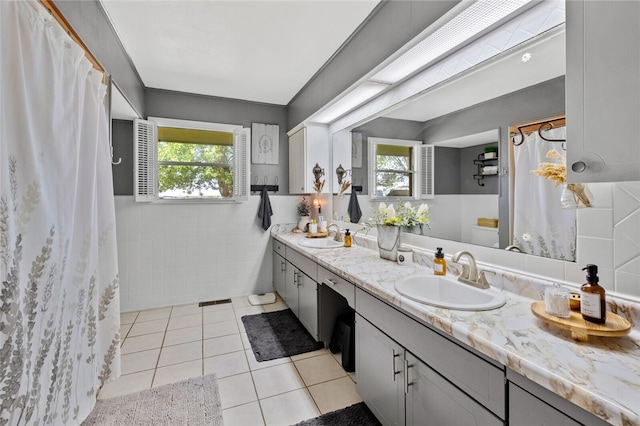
{"x":394,"y":168}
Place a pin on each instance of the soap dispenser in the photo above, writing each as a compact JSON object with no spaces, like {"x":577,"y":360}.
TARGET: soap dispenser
{"x":439,"y":264}
{"x":592,"y":297}
{"x":347,"y":238}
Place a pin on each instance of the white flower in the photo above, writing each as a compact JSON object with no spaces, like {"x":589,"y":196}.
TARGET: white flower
{"x":382,"y":207}
{"x":390,"y":212}
{"x":526,"y":237}
{"x":423,"y":209}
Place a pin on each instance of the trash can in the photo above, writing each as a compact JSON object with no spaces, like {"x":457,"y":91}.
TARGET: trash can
{"x":343,"y":340}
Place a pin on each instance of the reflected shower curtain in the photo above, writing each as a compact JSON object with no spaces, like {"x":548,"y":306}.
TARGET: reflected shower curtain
{"x":59,"y":299}
{"x":540,"y":225}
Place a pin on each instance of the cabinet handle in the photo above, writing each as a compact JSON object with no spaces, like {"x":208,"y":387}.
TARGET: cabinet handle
{"x":579,"y":166}
{"x":295,"y":279}
{"x":283,"y":266}
{"x":332,"y":281}
{"x":406,"y":376}
{"x":299,"y":280}
{"x":393,"y":364}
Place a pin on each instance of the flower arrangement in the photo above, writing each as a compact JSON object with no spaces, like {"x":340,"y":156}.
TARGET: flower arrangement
{"x":303,"y":207}
{"x":404,"y":215}
{"x":557,"y":172}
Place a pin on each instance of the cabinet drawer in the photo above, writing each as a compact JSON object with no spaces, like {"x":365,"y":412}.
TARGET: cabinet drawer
{"x":478,"y":378}
{"x":278,"y":247}
{"x":306,"y":265}
{"x":337,"y":284}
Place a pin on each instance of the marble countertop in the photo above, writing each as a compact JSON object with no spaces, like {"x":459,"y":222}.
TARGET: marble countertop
{"x":601,"y":375}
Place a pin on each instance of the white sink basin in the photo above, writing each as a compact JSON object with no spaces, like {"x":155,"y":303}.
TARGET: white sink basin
{"x":322,"y":243}
{"x":449,"y":293}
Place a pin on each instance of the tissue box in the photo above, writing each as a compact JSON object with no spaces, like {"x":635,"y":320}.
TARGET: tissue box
{"x":485,"y":221}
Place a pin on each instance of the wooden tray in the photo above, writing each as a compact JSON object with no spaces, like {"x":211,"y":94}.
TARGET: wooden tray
{"x":580,"y":329}
{"x":318,"y":234}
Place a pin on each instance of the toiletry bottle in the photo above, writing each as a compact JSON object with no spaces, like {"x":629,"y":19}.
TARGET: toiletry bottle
{"x":592,"y":298}
{"x":347,"y":238}
{"x":439,"y":264}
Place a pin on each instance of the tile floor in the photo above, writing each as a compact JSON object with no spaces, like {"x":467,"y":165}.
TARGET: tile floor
{"x":167,"y":345}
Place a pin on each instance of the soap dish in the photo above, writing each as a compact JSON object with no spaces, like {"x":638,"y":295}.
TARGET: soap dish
{"x":614,"y":326}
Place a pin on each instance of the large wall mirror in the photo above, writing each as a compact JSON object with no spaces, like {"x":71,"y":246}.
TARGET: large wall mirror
{"x":467,"y":118}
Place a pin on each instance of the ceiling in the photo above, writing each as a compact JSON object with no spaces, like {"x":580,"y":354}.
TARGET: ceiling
{"x":262,"y":51}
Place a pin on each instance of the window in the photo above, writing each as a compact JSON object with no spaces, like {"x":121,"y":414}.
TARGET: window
{"x":184,"y":160}
{"x":400,"y":168}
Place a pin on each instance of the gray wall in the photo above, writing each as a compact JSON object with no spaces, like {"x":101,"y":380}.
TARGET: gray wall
{"x":390,"y":26}
{"x":122,"y":137}
{"x":90,"y":23}
{"x":454,"y":170}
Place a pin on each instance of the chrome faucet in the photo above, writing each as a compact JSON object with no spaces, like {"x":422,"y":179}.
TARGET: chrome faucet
{"x":469,"y":273}
{"x":513,"y":247}
{"x":338,"y":236}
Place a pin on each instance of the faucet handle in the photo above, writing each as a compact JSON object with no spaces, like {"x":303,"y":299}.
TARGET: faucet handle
{"x":464,"y":273}
{"x":482,"y":277}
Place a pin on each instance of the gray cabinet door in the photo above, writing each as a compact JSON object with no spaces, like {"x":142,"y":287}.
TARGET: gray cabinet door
{"x":292,"y":273}
{"x":432,"y":400}
{"x":379,"y":373}
{"x":308,"y":304}
{"x":527,"y":410}
{"x":279,"y":275}
{"x":603,"y":91}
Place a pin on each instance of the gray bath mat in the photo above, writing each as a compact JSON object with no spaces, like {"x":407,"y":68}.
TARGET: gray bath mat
{"x":193,"y":402}
{"x":355,"y":415}
{"x":278,"y":334}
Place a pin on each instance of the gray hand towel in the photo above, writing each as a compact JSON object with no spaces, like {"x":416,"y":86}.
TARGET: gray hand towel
{"x":354,"y":208}
{"x":264,"y":211}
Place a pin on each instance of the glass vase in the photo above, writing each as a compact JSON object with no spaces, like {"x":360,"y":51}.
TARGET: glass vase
{"x":576,"y":195}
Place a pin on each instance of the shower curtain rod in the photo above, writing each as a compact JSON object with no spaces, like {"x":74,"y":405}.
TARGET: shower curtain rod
{"x":539,"y":125}
{"x":53,"y":10}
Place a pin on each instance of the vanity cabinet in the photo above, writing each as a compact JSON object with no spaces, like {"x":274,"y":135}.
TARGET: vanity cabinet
{"x":420,"y":374}
{"x":531,"y":405}
{"x":301,"y":290}
{"x":308,"y":146}
{"x":400,"y":389}
{"x":603,"y":90}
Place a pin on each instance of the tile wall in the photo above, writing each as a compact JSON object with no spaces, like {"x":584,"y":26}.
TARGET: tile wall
{"x":173,"y":253}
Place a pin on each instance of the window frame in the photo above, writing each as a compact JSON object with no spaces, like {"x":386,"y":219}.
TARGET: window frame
{"x":149,"y":148}
{"x":414,"y":170}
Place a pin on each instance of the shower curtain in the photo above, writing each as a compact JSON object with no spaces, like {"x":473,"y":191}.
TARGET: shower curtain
{"x":540,"y":225}
{"x":59,"y":299}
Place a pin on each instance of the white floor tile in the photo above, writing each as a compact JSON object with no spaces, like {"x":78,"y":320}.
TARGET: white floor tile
{"x":255,"y":365}
{"x":226,"y":364}
{"x":310,"y":354}
{"x":241,"y":326}
{"x":216,"y":308}
{"x":185,"y":321}
{"x":222,"y":345}
{"x":319,"y":369}
{"x":248,"y":310}
{"x":181,"y":310}
{"x":154,"y":314}
{"x":288,"y":408}
{"x":124,"y":331}
{"x":180,"y":353}
{"x":245,"y":341}
{"x":243,"y":415}
{"x":125,"y":385}
{"x":177,"y":372}
{"x":218,"y":316}
{"x":148,"y":327}
{"x":273,"y":307}
{"x":139,"y":361}
{"x":236,"y":390}
{"x":142,"y":343}
{"x":276,"y":380}
{"x":335,"y":394}
{"x":128,"y":317}
{"x":183,"y":335}
{"x":240,"y":301}
{"x":218,"y":329}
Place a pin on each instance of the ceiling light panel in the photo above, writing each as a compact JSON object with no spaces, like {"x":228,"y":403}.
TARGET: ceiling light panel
{"x":481,"y":15}
{"x":356,"y":97}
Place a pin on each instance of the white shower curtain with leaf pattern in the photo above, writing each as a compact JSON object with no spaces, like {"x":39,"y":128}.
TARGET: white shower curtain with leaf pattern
{"x":540,"y":225}
{"x":59,"y":297}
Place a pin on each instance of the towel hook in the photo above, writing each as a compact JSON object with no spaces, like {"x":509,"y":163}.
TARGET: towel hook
{"x":115,"y":163}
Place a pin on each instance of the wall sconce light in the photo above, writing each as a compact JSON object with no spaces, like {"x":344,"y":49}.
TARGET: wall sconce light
{"x":318,"y":204}
{"x":340,"y":172}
